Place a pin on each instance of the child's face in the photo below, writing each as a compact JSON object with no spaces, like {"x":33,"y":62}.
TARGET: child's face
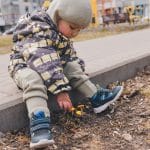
{"x":68,"y":29}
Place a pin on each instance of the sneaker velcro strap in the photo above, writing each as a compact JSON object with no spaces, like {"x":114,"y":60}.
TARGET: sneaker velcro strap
{"x":39,"y":127}
{"x":39,"y":121}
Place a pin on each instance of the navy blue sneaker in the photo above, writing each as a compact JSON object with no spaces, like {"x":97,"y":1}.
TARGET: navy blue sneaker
{"x":104,"y":97}
{"x":40,"y":130}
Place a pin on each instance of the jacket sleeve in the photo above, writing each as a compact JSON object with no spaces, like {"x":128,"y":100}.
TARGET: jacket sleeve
{"x":40,"y":54}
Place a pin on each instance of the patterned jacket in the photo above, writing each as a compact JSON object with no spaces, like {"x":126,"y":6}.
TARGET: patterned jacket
{"x":39,"y":45}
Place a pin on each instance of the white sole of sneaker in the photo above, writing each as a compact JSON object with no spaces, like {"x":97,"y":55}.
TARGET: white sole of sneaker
{"x":41,"y":144}
{"x":103,"y":107}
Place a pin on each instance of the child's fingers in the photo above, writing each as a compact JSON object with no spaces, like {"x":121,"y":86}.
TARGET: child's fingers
{"x":70,"y":105}
{"x":60,"y":104}
{"x":64,"y":105}
{"x":67,"y":106}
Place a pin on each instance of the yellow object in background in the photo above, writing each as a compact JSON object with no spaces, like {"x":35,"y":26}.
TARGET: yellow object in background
{"x":130,"y":9}
{"x":46,"y":4}
{"x":94,"y":22}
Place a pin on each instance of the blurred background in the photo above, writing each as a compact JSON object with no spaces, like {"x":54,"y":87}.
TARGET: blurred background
{"x":109,"y":17}
{"x":105,"y":12}
{"x":11,"y":10}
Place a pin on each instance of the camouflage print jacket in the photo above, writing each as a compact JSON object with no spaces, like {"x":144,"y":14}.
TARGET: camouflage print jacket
{"x":39,"y":45}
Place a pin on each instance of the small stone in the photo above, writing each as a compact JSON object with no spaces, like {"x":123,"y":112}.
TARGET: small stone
{"x":116,"y":132}
{"x":108,"y":116}
{"x":75,"y":148}
{"x":127,"y":137}
{"x":55,"y":146}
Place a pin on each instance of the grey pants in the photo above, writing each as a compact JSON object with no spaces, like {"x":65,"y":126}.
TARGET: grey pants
{"x":35,"y":92}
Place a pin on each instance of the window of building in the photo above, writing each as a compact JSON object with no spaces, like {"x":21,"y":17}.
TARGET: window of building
{"x":34,"y":7}
{"x":26,"y":0}
{"x":26,"y":9}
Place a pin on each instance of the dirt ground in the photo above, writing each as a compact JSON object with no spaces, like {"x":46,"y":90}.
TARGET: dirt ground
{"x":123,"y":126}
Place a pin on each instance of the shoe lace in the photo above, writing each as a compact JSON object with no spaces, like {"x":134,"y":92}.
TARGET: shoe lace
{"x":103,"y":93}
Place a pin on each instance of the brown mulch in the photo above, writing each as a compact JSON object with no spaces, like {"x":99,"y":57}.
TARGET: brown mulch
{"x":125,"y":125}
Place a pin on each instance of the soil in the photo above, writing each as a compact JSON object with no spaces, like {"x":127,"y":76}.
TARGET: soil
{"x":123,"y":126}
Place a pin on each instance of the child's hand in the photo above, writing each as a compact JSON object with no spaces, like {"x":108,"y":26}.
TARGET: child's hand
{"x":64,"y":101}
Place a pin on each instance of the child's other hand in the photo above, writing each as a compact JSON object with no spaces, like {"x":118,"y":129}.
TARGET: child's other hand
{"x":64,"y":101}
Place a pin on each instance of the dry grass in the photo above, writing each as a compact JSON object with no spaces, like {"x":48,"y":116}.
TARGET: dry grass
{"x":108,"y":31}
{"x":87,"y":35}
{"x":90,"y":33}
{"x":5,"y":44}
{"x":5,"y":40}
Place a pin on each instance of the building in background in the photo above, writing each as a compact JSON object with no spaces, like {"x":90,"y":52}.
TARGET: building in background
{"x":2,"y":21}
{"x":108,"y":7}
{"x":11,"y":10}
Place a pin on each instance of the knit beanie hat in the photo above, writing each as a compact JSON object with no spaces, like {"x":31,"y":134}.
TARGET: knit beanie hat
{"x":78,"y":12}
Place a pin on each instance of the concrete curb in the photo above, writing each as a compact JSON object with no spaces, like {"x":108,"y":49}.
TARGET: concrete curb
{"x":13,"y":116}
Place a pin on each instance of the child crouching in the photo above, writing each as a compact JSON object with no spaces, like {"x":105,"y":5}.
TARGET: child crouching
{"x":44,"y":60}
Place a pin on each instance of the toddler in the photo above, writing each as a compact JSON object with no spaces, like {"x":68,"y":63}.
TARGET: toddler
{"x":43,"y":60}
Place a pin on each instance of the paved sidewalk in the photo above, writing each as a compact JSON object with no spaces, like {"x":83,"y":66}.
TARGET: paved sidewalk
{"x":107,"y":59}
